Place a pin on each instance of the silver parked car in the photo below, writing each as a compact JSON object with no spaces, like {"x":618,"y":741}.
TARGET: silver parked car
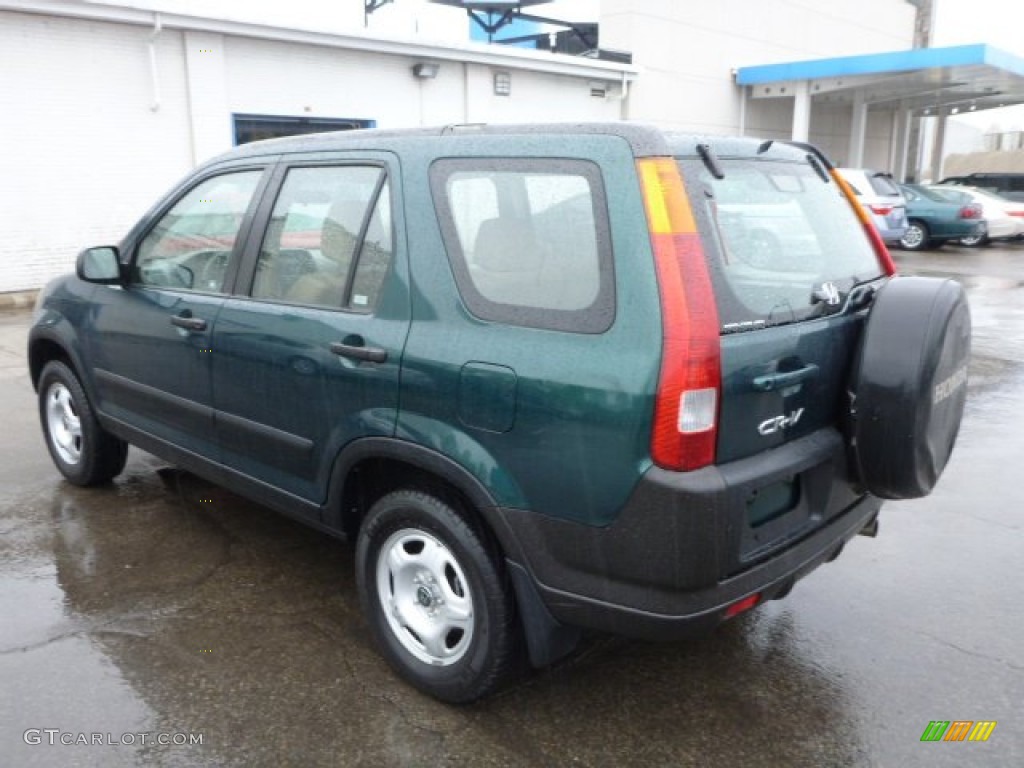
{"x":882,"y":199}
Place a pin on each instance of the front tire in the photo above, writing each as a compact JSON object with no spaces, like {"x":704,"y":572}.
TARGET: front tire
{"x":974,"y":241}
{"x":83,"y":452}
{"x":435,"y":597}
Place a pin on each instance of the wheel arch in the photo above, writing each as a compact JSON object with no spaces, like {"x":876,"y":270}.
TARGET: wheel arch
{"x":368,"y":468}
{"x":48,"y":344}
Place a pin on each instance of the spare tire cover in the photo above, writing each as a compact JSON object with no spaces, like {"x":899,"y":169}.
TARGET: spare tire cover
{"x":909,"y":385}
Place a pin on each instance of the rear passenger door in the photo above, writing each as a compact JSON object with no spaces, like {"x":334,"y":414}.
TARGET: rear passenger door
{"x":308,"y":350}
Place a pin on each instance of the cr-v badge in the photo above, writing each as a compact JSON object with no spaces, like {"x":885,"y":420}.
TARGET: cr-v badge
{"x":771,"y":426}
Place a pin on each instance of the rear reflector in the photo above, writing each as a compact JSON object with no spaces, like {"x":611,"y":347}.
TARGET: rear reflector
{"x":685,"y":431}
{"x":884,"y":257}
{"x":742,"y":605}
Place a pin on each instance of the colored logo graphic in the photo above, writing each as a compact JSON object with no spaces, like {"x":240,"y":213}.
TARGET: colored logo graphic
{"x":958,"y":730}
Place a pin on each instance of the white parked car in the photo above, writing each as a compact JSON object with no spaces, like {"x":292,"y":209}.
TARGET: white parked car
{"x":1005,"y":218}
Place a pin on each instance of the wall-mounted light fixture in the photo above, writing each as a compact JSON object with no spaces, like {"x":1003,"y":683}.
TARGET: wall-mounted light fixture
{"x":426,"y":69}
{"x":502,"y":84}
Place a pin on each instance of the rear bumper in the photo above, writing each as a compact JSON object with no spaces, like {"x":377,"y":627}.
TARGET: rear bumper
{"x":891,"y":236}
{"x":681,"y":551}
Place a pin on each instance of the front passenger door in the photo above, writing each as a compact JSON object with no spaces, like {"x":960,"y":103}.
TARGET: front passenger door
{"x":151,"y":339}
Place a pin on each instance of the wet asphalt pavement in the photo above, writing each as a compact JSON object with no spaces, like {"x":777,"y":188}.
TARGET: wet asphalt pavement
{"x":165,"y":605}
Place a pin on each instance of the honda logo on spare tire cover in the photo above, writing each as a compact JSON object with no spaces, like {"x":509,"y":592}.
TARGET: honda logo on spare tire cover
{"x":909,"y":386}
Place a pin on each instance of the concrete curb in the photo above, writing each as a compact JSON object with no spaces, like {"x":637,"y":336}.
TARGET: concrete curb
{"x":18,"y":300}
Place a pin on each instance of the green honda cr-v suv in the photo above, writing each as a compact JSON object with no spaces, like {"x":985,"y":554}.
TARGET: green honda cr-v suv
{"x":546,"y":377}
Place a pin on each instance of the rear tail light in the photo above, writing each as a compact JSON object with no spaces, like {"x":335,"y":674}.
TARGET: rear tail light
{"x":880,"y":209}
{"x":1016,"y":213}
{"x":685,"y":426}
{"x":884,"y":258}
{"x":973,"y":211}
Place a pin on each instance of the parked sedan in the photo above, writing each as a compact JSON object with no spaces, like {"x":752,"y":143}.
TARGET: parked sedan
{"x":1004,"y":218}
{"x":878,"y":193}
{"x":933,"y":219}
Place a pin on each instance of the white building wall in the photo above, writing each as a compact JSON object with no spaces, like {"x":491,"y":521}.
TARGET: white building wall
{"x":83,"y":152}
{"x":209,"y":121}
{"x":267,"y":77}
{"x":688,"y":52}
{"x":87,"y":150}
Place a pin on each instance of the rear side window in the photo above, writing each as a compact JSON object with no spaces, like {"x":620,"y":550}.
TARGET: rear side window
{"x":328,"y":242}
{"x":528,"y":240}
{"x":776,"y":232}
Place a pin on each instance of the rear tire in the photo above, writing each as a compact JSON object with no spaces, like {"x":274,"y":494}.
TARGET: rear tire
{"x":916,"y":238}
{"x":436,"y":598}
{"x":83,"y":452}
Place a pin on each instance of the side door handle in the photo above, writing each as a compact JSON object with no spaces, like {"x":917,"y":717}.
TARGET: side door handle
{"x":357,"y":351}
{"x":772,"y":381}
{"x":189,"y":323}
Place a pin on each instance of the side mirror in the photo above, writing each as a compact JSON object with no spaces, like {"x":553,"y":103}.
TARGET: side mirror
{"x":100,"y":265}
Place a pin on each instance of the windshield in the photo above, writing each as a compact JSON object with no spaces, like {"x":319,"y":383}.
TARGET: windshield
{"x":775,"y":232}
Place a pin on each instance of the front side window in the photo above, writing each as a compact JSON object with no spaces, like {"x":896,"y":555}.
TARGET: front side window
{"x":329,"y":240}
{"x":528,"y":241}
{"x":190,"y":246}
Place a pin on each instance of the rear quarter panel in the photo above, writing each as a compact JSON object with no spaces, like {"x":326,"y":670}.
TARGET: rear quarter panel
{"x":572,"y":436}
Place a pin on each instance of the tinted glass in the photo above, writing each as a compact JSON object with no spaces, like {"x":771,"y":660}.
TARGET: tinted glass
{"x":374,"y":257}
{"x":312,"y":248}
{"x":777,"y":232}
{"x":528,"y":240}
{"x":191,"y":244}
{"x":950,"y":195}
{"x":883,"y":185}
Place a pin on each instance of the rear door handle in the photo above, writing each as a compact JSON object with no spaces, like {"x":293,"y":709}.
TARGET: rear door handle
{"x":189,"y":323}
{"x":359,"y":352}
{"x":772,"y":381}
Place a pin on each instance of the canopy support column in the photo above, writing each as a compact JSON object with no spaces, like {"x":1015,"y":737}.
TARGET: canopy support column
{"x":939,"y":144}
{"x":802,"y":112}
{"x":858,"y":128}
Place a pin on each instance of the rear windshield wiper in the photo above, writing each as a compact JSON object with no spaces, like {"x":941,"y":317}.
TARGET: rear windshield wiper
{"x":707,"y":154}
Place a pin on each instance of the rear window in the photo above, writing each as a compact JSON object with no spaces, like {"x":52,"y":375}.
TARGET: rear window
{"x":919,"y":192}
{"x":950,"y":195}
{"x":775,"y":233}
{"x":883,"y":185}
